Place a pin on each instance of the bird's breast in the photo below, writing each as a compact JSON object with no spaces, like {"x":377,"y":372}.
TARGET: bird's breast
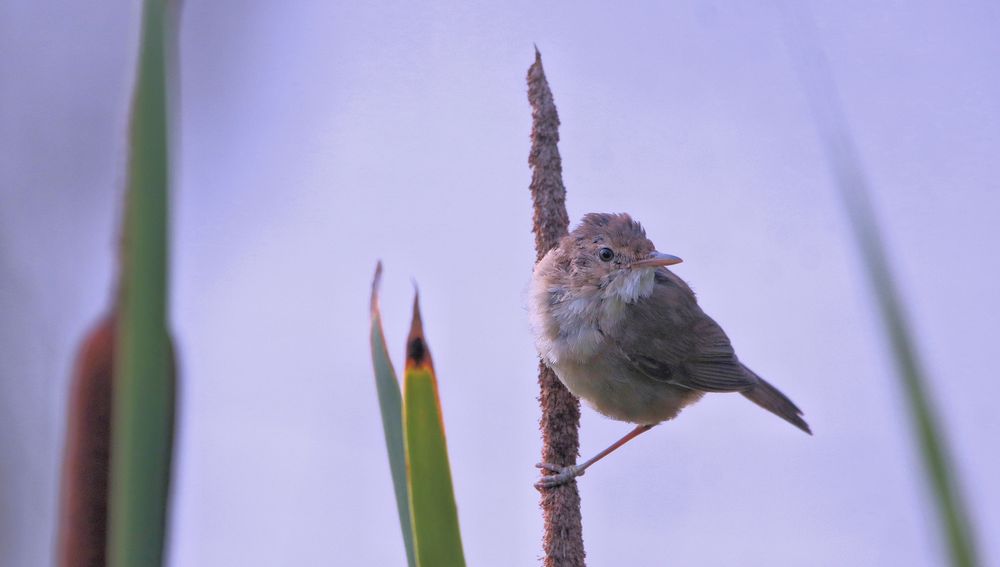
{"x":575,"y":326}
{"x":572,"y":335}
{"x":566,"y":330}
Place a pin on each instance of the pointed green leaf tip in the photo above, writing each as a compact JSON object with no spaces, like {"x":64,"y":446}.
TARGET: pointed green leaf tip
{"x":432,"y":498}
{"x":391,"y":403}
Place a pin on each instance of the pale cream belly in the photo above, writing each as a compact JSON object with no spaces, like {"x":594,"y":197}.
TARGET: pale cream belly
{"x":624,"y":396}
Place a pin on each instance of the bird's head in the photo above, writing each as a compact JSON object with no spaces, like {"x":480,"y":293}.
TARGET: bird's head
{"x":611,"y":254}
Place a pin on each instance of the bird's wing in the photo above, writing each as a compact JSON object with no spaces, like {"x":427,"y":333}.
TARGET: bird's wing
{"x":672,"y":340}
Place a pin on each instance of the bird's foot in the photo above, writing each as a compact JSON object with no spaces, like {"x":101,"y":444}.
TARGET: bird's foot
{"x":562,"y":475}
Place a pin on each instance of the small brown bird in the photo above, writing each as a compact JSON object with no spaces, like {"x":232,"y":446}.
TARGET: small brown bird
{"x":626,"y":335}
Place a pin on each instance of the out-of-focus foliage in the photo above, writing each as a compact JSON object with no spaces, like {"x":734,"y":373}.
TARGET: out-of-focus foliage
{"x":143,"y":399}
{"x":852,"y":181}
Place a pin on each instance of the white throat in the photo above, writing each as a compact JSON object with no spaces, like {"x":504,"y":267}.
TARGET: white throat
{"x":631,"y":285}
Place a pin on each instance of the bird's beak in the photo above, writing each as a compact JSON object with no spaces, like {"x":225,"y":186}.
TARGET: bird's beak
{"x":656,"y":260}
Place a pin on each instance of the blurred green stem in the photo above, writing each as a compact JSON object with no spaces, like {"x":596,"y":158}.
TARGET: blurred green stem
{"x":143,"y":397}
{"x":845,"y":164}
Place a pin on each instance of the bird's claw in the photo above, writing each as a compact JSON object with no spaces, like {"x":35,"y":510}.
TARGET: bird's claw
{"x":561,"y":475}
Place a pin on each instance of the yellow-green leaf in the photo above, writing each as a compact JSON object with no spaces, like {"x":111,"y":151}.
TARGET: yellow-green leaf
{"x":437,"y":539}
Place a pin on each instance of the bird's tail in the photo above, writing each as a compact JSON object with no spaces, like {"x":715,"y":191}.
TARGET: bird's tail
{"x":771,"y":399}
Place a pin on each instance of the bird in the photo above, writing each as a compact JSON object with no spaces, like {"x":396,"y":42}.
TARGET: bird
{"x":626,"y":335}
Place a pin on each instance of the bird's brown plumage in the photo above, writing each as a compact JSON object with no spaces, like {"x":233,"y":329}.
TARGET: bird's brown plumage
{"x":633,"y":342}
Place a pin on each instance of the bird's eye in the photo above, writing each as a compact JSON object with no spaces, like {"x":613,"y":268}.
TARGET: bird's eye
{"x":605,"y":254}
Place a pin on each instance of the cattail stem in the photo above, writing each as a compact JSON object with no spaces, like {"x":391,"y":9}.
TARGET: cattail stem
{"x":560,"y":422}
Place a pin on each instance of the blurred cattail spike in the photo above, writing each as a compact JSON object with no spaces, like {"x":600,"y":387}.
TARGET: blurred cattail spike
{"x":83,"y":515}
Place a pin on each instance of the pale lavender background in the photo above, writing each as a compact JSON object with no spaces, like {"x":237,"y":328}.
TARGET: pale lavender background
{"x":316,"y":137}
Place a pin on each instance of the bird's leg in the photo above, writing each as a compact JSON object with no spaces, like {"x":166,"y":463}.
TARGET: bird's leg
{"x":565,"y":474}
